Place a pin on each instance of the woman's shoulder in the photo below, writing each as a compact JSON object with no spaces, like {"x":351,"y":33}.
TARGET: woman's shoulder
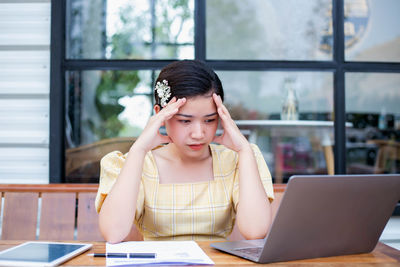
{"x":113,"y":159}
{"x":117,"y":159}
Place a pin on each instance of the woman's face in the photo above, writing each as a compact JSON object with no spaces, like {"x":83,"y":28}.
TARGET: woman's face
{"x":193,"y":128}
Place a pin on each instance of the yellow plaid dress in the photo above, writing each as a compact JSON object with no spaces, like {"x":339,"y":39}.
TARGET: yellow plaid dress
{"x":198,"y":211}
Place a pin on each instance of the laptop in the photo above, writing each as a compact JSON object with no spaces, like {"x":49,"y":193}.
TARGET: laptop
{"x":322,"y":216}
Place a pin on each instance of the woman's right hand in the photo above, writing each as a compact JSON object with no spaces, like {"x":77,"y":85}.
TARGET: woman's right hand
{"x":151,"y":136}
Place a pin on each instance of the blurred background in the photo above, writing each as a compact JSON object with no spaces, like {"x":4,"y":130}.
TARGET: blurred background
{"x":315,"y":84}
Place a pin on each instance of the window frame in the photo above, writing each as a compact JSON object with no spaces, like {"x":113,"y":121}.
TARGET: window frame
{"x":338,"y":66}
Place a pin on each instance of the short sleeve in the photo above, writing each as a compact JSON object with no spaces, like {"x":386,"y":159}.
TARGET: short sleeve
{"x":110,"y":167}
{"x":265,"y":177}
{"x":139,"y":204}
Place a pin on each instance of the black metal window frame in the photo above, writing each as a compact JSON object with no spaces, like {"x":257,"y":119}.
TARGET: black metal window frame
{"x":338,"y":66}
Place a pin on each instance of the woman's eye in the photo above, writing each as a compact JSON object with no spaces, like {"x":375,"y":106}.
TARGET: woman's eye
{"x":184,"y":121}
{"x":210,"y":120}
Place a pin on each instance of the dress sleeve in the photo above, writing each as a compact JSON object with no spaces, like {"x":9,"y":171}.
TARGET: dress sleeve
{"x":265,"y":176}
{"x":110,"y":167}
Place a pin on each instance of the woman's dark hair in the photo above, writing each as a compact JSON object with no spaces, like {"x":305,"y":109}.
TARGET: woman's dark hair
{"x":190,"y":78}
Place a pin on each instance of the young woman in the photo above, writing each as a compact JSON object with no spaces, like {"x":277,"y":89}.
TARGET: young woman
{"x":182,"y":185}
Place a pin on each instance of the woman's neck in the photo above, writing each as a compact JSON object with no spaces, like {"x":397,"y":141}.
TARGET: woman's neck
{"x":176,"y":167}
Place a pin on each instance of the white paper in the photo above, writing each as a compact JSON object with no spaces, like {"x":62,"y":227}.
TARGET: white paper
{"x":167,"y":252}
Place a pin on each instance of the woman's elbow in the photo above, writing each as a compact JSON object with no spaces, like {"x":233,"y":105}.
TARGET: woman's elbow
{"x":111,"y":233}
{"x":255,"y":230}
{"x":112,"y":236}
{"x":255,"y":234}
{"x":113,"y":241}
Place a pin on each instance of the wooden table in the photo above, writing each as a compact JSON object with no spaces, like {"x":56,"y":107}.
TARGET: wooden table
{"x":383,"y":255}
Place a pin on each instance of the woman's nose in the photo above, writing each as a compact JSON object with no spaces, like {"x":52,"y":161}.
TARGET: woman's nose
{"x":197,"y":131}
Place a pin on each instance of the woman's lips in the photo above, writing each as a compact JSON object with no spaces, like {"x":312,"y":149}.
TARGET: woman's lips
{"x":196,"y":146}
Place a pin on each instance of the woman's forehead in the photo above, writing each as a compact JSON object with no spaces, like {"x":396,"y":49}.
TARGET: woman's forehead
{"x":198,"y":106}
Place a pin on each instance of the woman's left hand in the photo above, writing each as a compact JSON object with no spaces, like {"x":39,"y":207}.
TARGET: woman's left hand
{"x":231,"y":137}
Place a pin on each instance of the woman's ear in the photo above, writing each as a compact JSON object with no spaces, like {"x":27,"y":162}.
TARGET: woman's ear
{"x":156,"y":108}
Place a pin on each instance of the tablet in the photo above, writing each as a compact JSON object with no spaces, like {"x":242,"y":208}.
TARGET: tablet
{"x":41,"y":253}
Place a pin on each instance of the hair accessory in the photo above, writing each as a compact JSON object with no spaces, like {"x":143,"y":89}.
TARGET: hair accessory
{"x":163,"y":91}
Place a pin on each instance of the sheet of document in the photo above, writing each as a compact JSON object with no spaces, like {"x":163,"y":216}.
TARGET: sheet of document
{"x":167,"y":252}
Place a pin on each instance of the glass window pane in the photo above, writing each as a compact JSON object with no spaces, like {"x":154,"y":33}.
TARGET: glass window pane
{"x":372,"y":105}
{"x":105,"y":111}
{"x":269,"y":30}
{"x":256,"y":99}
{"x":130,"y":29}
{"x":372,"y":30}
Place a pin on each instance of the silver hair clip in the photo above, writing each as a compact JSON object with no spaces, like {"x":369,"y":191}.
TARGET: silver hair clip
{"x":163,"y":92}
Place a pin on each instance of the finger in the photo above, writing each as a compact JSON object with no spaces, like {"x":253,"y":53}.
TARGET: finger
{"x":166,"y":114}
{"x":218,"y":103}
{"x":228,"y":124}
{"x":172,"y":105}
{"x":170,"y":114}
{"x":173,"y":108}
{"x":222,"y":115}
{"x":170,"y":110}
{"x":217,"y":100}
{"x":167,"y":108}
{"x":171,"y":101}
{"x":181,"y":102}
{"x":176,"y":104}
{"x":224,"y":109}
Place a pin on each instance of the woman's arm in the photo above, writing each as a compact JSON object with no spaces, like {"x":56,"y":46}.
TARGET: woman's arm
{"x":253,"y":211}
{"x":117,"y":213}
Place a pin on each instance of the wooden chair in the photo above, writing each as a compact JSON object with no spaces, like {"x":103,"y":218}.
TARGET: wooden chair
{"x":83,"y":162}
{"x":49,"y":212}
{"x":64,"y":212}
{"x":388,"y":156}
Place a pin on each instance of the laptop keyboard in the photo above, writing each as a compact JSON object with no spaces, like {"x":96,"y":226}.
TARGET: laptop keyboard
{"x":254,"y":252}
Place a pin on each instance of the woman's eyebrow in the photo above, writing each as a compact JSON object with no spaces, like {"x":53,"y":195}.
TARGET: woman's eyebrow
{"x":191,"y":116}
{"x":210,"y":115}
{"x":184,"y":115}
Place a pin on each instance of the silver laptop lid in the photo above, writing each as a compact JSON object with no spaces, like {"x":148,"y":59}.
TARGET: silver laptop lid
{"x":323,"y":216}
